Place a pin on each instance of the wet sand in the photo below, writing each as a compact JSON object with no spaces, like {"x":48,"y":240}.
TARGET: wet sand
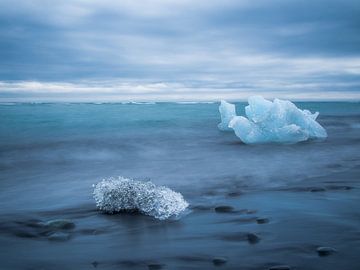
{"x":227,"y":230}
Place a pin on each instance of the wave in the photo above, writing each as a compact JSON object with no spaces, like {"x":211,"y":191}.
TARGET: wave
{"x":195,"y":102}
{"x":122,"y":194}
{"x":138,"y":103}
{"x":8,"y":103}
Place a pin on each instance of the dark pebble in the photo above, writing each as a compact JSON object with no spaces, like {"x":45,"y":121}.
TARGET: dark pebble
{"x":219,"y":261}
{"x":95,"y":264}
{"x":317,"y":189}
{"x":280,"y":267}
{"x":224,"y":209}
{"x":155,"y":266}
{"x":262,"y":220}
{"x":325,"y":251}
{"x":252,"y":238}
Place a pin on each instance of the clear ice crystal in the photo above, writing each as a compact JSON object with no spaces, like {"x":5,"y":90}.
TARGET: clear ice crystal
{"x":122,"y":194}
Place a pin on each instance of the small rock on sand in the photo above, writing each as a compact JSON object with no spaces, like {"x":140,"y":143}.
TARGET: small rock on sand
{"x":325,"y":251}
{"x":317,"y":189}
{"x":219,"y":261}
{"x":252,"y":238}
{"x":262,"y":220}
{"x":155,"y":266}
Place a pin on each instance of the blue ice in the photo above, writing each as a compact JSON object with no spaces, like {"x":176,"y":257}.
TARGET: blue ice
{"x":227,"y":112}
{"x":279,"y":121}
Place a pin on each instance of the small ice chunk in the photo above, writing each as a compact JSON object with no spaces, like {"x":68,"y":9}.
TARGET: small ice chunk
{"x":122,"y":194}
{"x":227,"y":112}
{"x":278,"y":121}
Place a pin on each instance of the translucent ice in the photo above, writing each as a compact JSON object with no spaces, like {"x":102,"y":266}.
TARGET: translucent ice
{"x":122,"y":194}
{"x":278,"y":121}
{"x":227,"y":112}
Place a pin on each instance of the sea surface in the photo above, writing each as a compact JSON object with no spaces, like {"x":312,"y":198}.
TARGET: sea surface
{"x":251,"y":206}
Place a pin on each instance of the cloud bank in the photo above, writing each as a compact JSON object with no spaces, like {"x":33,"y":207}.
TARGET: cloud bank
{"x":179,"y":50}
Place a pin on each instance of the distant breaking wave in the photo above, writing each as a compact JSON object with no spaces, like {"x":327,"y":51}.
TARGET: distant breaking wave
{"x":122,"y":194}
{"x":138,"y":103}
{"x":195,"y":102}
{"x":7,"y":103}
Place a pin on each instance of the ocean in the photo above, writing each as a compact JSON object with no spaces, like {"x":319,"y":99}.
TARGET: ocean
{"x":278,"y":203}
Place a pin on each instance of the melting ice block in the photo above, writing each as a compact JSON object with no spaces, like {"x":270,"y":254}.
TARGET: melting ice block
{"x":227,"y":112}
{"x":278,"y":121}
{"x":122,"y":194}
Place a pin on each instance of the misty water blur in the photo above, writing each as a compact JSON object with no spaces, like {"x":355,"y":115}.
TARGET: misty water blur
{"x":51,"y":154}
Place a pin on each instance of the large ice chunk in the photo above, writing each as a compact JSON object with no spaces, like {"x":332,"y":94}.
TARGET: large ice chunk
{"x":278,"y":121}
{"x":227,"y":112}
{"x":122,"y":194}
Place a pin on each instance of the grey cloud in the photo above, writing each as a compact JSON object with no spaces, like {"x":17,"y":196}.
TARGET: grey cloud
{"x":202,"y":43}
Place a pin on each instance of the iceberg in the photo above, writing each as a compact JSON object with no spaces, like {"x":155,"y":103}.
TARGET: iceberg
{"x":227,"y":112}
{"x":127,"y":195}
{"x":279,"y":121}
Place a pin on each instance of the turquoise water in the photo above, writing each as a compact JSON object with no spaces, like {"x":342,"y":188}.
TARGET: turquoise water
{"x":51,"y":154}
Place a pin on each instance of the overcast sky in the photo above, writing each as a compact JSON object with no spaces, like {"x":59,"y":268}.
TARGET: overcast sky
{"x":179,"y":49}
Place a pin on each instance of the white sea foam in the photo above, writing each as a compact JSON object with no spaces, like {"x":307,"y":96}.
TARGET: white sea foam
{"x":122,"y":194}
